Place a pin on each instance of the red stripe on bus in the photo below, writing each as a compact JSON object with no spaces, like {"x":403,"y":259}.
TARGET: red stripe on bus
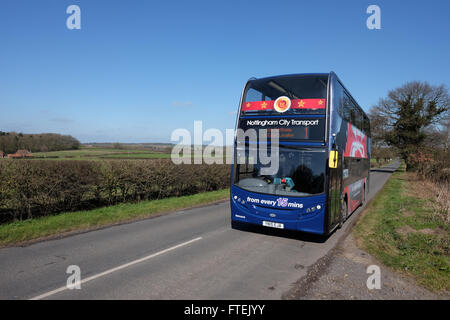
{"x":295,"y":104}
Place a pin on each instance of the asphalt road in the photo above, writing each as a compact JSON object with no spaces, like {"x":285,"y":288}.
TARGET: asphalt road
{"x":191,"y":254}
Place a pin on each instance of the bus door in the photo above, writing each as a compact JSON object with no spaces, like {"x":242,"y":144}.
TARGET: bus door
{"x":334,"y":193}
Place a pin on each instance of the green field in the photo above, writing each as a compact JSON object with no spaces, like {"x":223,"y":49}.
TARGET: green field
{"x":98,"y":153}
{"x":90,"y":153}
{"x":136,"y":155}
{"x":408,"y":231}
{"x":375,"y":164}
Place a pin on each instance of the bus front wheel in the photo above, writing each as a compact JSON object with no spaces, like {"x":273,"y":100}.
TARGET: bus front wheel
{"x":237,"y":225}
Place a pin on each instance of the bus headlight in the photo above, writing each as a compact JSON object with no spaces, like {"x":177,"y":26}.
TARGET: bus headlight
{"x":313,"y":209}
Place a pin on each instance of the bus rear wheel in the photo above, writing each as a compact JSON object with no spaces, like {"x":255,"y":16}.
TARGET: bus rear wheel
{"x":344,"y":214}
{"x":363,"y":195}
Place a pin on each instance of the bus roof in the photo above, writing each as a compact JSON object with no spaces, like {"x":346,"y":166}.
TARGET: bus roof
{"x":291,"y":75}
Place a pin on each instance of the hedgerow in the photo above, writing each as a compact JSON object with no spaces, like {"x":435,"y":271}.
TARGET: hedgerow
{"x":32,"y":188}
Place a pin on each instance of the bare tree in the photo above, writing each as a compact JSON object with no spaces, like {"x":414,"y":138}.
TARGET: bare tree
{"x":44,"y":149}
{"x":407,"y":114}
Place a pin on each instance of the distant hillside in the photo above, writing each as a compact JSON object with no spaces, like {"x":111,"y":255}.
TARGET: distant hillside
{"x":10,"y":142}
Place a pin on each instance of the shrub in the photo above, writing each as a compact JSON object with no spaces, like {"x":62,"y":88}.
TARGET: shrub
{"x":432,"y":164}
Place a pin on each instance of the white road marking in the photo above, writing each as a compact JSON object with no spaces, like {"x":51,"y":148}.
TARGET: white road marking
{"x":123,"y":266}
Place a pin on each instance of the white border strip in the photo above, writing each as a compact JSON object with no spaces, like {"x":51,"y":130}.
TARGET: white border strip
{"x":123,"y":266}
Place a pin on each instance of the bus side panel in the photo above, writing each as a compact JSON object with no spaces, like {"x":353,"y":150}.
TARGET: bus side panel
{"x":355,"y":177}
{"x":354,"y":140}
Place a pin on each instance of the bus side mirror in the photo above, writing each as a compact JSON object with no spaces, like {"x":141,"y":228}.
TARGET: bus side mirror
{"x":333,"y":159}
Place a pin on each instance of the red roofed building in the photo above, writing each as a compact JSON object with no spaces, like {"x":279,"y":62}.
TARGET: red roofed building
{"x":20,"y":154}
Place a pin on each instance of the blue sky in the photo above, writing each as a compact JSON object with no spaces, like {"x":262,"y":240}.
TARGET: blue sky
{"x":139,"y":69}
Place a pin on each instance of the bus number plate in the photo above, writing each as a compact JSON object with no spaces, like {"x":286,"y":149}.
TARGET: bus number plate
{"x":273,"y":224}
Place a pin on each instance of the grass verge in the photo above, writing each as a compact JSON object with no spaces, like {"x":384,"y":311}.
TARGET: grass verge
{"x":403,"y":230}
{"x":52,"y":226}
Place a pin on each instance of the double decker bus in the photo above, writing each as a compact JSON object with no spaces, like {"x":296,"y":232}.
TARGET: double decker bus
{"x":323,"y":154}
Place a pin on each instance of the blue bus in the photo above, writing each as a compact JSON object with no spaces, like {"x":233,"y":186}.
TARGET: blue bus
{"x":323,"y":154}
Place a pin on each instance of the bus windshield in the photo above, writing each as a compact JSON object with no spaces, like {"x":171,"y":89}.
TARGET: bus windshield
{"x":301,"y":172}
{"x":307,"y":94}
